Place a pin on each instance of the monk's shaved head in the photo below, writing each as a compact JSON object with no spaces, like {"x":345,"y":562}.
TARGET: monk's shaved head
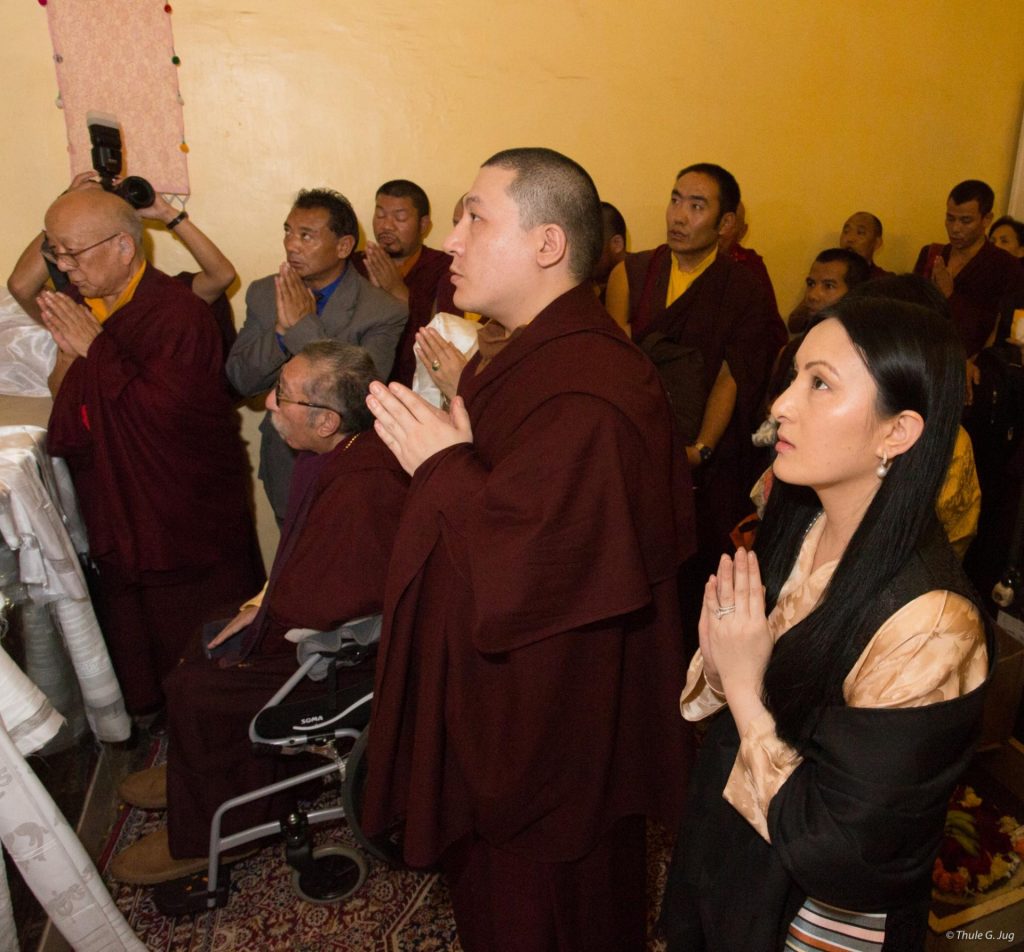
{"x":868,"y":220}
{"x":862,"y":233}
{"x":96,"y":239}
{"x":551,"y":188}
{"x":733,"y":234}
{"x":92,"y":209}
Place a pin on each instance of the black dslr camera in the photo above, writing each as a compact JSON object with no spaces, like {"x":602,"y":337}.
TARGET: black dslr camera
{"x":108,"y":159}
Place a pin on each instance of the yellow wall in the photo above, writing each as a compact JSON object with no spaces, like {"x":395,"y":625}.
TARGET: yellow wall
{"x":819,"y":109}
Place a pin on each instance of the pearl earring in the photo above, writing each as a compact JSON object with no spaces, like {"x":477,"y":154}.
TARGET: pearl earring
{"x":883,"y":468}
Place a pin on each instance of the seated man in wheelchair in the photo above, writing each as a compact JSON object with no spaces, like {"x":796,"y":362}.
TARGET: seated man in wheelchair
{"x":346,"y":497}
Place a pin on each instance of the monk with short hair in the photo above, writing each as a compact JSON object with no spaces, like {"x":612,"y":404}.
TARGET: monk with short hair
{"x":862,"y":233}
{"x":613,"y":247}
{"x":971,"y":272}
{"x":400,"y":263}
{"x":688,"y":295}
{"x":522,"y":722}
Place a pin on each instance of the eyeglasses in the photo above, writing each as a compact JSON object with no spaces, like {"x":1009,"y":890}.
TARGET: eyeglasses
{"x":71,"y":257}
{"x":302,"y":403}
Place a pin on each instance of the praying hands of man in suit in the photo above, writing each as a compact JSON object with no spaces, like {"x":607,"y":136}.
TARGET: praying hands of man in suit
{"x":294,"y":299}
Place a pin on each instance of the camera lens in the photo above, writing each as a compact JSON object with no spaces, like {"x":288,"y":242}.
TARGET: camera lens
{"x":136,"y":191}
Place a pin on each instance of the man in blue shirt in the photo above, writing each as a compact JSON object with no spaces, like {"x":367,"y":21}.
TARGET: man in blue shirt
{"x":313,"y":295}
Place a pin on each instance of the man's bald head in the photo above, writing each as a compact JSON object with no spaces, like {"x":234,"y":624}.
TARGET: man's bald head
{"x":733,"y":234}
{"x":102,"y":211}
{"x":97,"y":240}
{"x":862,"y":233}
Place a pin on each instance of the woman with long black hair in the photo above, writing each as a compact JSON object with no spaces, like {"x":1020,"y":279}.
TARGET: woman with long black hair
{"x":844,"y":663}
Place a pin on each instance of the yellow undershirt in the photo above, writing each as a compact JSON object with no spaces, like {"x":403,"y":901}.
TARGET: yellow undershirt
{"x":679,"y":281}
{"x":616,"y":297}
{"x":99,"y":309}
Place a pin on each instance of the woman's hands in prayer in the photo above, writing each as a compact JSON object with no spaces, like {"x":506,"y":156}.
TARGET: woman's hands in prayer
{"x":442,"y":359}
{"x":733,"y":629}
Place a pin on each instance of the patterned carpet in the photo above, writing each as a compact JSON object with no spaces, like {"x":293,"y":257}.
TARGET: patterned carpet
{"x":394,"y":911}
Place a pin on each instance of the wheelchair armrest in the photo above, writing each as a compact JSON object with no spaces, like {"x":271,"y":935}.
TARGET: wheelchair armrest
{"x":336,"y":713}
{"x":296,"y":722}
{"x":365,"y":631}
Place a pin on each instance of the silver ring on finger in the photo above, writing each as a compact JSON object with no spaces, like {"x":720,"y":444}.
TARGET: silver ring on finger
{"x":723,"y":610}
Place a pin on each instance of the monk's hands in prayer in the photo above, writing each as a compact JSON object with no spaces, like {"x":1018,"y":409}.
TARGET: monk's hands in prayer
{"x":941,"y":277}
{"x":413,"y":429}
{"x":384,"y":273}
{"x":294,"y":299}
{"x":733,"y":627}
{"x":442,"y":359}
{"x":72,"y":326}
{"x":242,"y":620}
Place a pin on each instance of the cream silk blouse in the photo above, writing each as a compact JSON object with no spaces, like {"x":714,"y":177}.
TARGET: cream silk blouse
{"x":932,"y":649}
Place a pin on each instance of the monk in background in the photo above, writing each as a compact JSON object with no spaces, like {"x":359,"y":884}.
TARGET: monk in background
{"x":972,"y":273}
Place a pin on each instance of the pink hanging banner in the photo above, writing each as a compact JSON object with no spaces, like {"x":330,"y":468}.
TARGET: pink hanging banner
{"x":117,"y":57}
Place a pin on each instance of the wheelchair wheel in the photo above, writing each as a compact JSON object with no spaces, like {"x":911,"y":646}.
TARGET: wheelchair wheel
{"x":339,"y":872}
{"x":352,"y":790}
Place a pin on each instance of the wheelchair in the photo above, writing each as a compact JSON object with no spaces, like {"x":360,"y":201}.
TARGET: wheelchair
{"x":325,"y":725}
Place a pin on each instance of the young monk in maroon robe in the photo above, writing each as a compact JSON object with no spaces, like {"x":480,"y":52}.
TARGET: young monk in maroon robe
{"x":690,"y":296}
{"x":522,"y":724}
{"x":399,"y":263}
{"x":346,"y":497}
{"x":143,"y":417}
{"x":862,"y":233}
{"x":972,"y":273}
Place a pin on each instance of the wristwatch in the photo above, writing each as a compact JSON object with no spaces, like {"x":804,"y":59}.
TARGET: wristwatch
{"x":704,"y":451}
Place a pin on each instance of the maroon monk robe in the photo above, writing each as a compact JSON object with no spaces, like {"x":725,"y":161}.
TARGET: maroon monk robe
{"x":430,"y":291}
{"x":754,"y":263}
{"x":977,"y":289}
{"x":727,"y":315}
{"x":528,"y":678}
{"x":330,"y":566}
{"x":152,"y":441}
{"x":221,"y":311}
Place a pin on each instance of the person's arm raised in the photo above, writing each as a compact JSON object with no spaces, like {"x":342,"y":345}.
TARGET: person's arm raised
{"x":217,"y":272}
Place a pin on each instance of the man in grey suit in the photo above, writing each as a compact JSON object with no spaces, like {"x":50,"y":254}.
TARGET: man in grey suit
{"x":315,"y":294}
